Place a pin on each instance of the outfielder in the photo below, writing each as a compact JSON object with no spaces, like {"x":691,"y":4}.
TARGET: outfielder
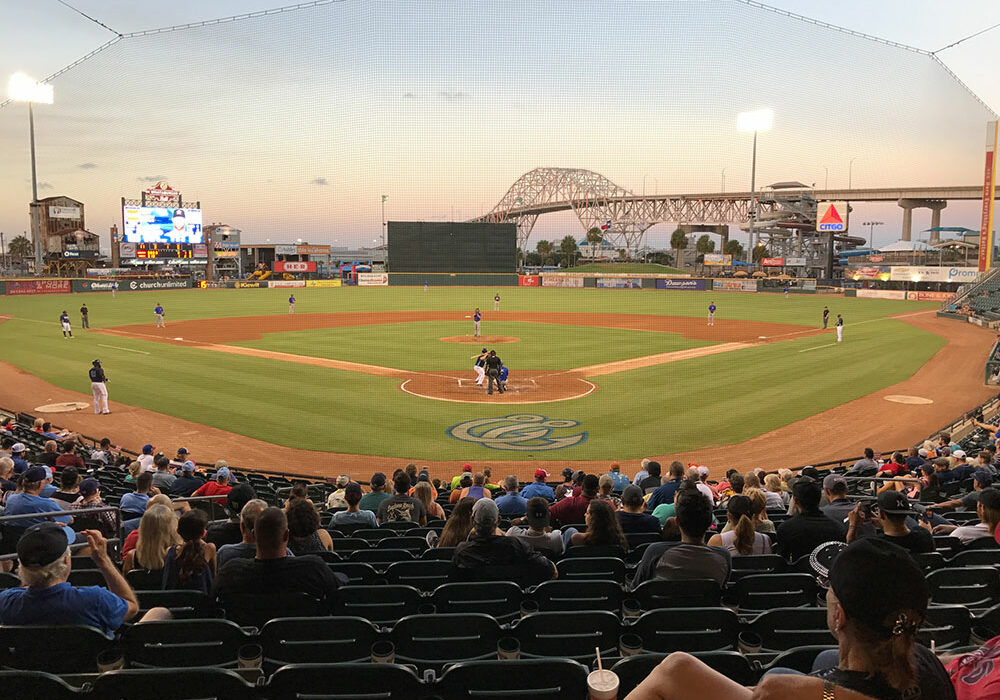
{"x":711,"y":314}
{"x":496,"y":302}
{"x":66,"y":328}
{"x":158,"y":312}
{"x":480,"y":366}
{"x":291,"y":304}
{"x":476,"y":318}
{"x":826,"y":316}
{"x":114,"y":289}
{"x":98,"y":385}
{"x":840,"y":328}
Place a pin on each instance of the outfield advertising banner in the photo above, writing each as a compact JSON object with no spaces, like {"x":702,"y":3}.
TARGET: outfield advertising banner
{"x":132,"y":285}
{"x":373,"y":279}
{"x":294,"y":266}
{"x":619,"y":283}
{"x":930,"y":296}
{"x":25,"y":287}
{"x":249,"y":285}
{"x":528,"y":280}
{"x":322,"y":283}
{"x":734,"y":285}
{"x":772,"y":262}
{"x":924,"y":273}
{"x":550,"y":281}
{"x":881,"y":294}
{"x":692,"y":285}
{"x":795,"y":262}
{"x":718,"y":259}
{"x":285,"y":284}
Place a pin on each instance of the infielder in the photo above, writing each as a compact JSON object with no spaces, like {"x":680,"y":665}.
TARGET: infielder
{"x":476,"y":318}
{"x":826,"y":316}
{"x":496,"y":302}
{"x":66,"y":328}
{"x":480,"y":366}
{"x":291,"y":304}
{"x":711,"y":314}
{"x":840,"y":328}
{"x":158,"y":312}
{"x":98,"y":383}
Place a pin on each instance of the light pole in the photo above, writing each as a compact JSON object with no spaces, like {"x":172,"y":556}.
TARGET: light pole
{"x":723,"y":190}
{"x":871,"y":231}
{"x":384,"y":198}
{"x":826,"y":179}
{"x":755,"y":121}
{"x":850,"y":172}
{"x":24,"y":89}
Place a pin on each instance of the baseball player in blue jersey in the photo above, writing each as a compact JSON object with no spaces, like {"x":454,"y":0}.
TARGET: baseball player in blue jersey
{"x":158,"y":312}
{"x":97,"y":385}
{"x":496,"y":302}
{"x":711,"y":314}
{"x":477,"y":316}
{"x":480,"y":366}
{"x":502,"y":379}
{"x":66,"y":328}
{"x":291,"y":304}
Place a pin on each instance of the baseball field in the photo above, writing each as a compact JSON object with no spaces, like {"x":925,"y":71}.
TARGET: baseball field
{"x":378,"y":375}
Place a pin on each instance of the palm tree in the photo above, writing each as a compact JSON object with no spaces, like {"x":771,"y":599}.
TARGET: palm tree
{"x":594,"y":238}
{"x":734,"y":248}
{"x":20,"y":247}
{"x":679,"y":242}
{"x":544,"y":249}
{"x":705,"y":245}
{"x":568,"y":248}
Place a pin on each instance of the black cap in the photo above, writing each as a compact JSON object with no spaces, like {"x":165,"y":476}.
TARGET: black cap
{"x":43,"y":543}
{"x":874,"y":564}
{"x":377,"y":480}
{"x":537,"y":512}
{"x":567,"y":472}
{"x":894,"y":503}
{"x":96,"y":362}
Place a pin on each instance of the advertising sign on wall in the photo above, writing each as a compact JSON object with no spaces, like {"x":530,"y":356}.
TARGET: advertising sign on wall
{"x":718,"y":259}
{"x":373,"y":279}
{"x":693,"y":285}
{"x":313,"y":250}
{"x":930,"y":296}
{"x":322,"y":283}
{"x":925,"y":273}
{"x":528,"y":280}
{"x":795,"y":262}
{"x":831,"y":216}
{"x":294,"y":266}
{"x":735,"y":285}
{"x":868,"y":273}
{"x":619,"y":283}
{"x":881,"y":294}
{"x":64,"y":213}
{"x":286,"y":250}
{"x":24,"y":287}
{"x":132,"y":285}
{"x":550,"y":281}
{"x":283,"y":284}
{"x":772,"y":262}
{"x":249,"y":285}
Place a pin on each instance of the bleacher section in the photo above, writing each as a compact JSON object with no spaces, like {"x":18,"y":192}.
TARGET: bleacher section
{"x":982,"y":297}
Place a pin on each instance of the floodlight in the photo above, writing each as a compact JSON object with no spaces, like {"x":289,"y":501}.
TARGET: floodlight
{"x":22,"y":88}
{"x":757,"y":120}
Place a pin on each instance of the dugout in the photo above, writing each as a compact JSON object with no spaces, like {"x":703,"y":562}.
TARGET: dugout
{"x":453,"y":252}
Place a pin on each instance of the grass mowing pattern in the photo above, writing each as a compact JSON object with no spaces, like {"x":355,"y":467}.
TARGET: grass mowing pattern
{"x":706,"y":401}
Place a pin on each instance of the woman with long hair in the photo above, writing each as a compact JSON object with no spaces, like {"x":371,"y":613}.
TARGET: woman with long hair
{"x":459,"y":524}
{"x":190,"y":566}
{"x":133,"y":472}
{"x":751,"y":481}
{"x":743,"y":539}
{"x":603,"y":528}
{"x":424,"y":493}
{"x":157,"y":534}
{"x":758,"y":504}
{"x":305,"y":535}
{"x":776,"y":498}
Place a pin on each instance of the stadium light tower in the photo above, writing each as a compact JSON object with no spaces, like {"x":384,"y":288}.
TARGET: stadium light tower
{"x":871,"y":231}
{"x":21,"y":88}
{"x":755,"y":121}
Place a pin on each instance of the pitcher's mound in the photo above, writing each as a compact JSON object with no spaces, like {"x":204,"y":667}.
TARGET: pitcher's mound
{"x":483,"y":339}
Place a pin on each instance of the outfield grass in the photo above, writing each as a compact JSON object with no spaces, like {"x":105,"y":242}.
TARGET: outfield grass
{"x":706,"y":401}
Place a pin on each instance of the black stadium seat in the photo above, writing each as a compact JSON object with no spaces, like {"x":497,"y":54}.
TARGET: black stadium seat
{"x":971,"y":585}
{"x":355,"y":681}
{"x":299,"y":640}
{"x":358,"y":573}
{"x":431,"y":641}
{"x":573,"y":636}
{"x":53,"y":649}
{"x":184,"y":643}
{"x":550,"y":679}
{"x":686,"y":629}
{"x":173,"y":684}
{"x":784,"y":628}
{"x":254,"y":610}
{"x":380,"y":604}
{"x":578,"y":595}
{"x":501,"y":599}
{"x":37,"y":685}
{"x":423,"y":574}
{"x":766,"y":591}
{"x":592,"y":568}
{"x":946,"y":625}
{"x":691,"y":593}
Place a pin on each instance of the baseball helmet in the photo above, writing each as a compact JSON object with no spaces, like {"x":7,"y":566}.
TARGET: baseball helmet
{"x":96,"y":363}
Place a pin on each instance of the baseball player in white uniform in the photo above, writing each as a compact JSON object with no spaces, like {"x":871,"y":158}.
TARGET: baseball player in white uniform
{"x":480,"y":366}
{"x":98,"y":384}
{"x":840,"y":328}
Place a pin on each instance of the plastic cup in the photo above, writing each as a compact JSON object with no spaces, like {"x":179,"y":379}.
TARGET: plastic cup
{"x":629,"y":644}
{"x":749,"y":642}
{"x":528,"y":607}
{"x":110,"y":660}
{"x":383,"y":653}
{"x":251,"y":656}
{"x":602,"y":685}
{"x":508,"y":648}
{"x":631,"y":609}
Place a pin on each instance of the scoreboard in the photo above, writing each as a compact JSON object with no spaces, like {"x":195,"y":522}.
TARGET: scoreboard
{"x":171,"y":251}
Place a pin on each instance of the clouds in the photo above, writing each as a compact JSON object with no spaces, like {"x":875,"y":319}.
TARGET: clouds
{"x":321,"y":181}
{"x":444,"y":95}
{"x":152,"y":178}
{"x":87,"y":166}
{"x":46,"y":186}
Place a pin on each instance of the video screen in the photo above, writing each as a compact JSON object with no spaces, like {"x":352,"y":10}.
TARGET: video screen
{"x":162,"y":225}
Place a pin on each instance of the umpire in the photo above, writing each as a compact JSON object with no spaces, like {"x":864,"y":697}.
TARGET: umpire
{"x":493,"y":364}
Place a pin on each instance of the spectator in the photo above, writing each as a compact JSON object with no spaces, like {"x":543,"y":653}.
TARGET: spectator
{"x":464,"y":483}
{"x":272,"y":570}
{"x":742,"y":539}
{"x":30,"y":500}
{"x":942,"y":469}
{"x":7,"y":484}
{"x":305,"y":536}
{"x":459,"y":525}
{"x":401,"y":507}
{"x":664,"y":493}
{"x":690,"y":558}
{"x":893,"y":510}
{"x":190,"y":565}
{"x":411,"y":471}
{"x":48,"y":599}
{"x":182,"y":456}
{"x":879,"y":656}
{"x":538,"y":535}
{"x":298,"y":492}
{"x":105,"y":454}
{"x":478,"y":489}
{"x":145,"y":459}
{"x":187,"y":482}
{"x":47,"y":487}
{"x":642,"y":473}
{"x":336,"y":499}
{"x":988,"y":510}
{"x":219,"y":486}
{"x":633,"y":516}
{"x":424,"y":493}
{"x":229,"y":531}
{"x":866,"y":466}
{"x":653,"y":481}
{"x":802,"y":533}
{"x":734,"y":486}
{"x":752,"y":481}
{"x":618,"y":480}
{"x":17,"y":456}
{"x":425,"y":477}
{"x":511,"y":504}
{"x":838,"y":506}
{"x":486,"y":556}
{"x":572,"y":510}
{"x":50,"y":454}
{"x":354,"y":515}
{"x":491,"y":487}
{"x":69,"y":457}
{"x":981,"y":480}
{"x":603,"y":529}
{"x":69,"y":486}
{"x":134,"y":504}
{"x":565,"y":489}
{"x":605,"y":487}
{"x":456,"y":480}
{"x":157,"y":533}
{"x":372,"y":501}
{"x":776,"y":498}
{"x":961,"y":468}
{"x":106,"y":522}
{"x":930,"y":485}
{"x":913,"y":459}
{"x":538,"y":487}
{"x":246,"y":548}
{"x":703,"y":478}
{"x":162,"y":478}
{"x":133,"y":472}
{"x":758,"y":503}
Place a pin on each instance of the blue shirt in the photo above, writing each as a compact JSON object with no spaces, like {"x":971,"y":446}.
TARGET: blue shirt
{"x":712,"y":308}
{"x":664,"y":494}
{"x":134,"y":502}
{"x":539,"y":489}
{"x":48,"y":490}
{"x":512,"y":504}
{"x":503,"y":373}
{"x":477,"y":316}
{"x":19,"y":464}
{"x":21,"y":503}
{"x":63,"y":604}
{"x":619,"y":480}
{"x":291,"y":300}
{"x":158,"y":310}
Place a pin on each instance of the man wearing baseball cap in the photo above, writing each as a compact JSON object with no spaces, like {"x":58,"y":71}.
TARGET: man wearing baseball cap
{"x":186,"y":482}
{"x":538,"y":535}
{"x":619,"y":480}
{"x":219,"y":486}
{"x":538,"y":488}
{"x":988,"y":509}
{"x":893,"y":510}
{"x":30,"y":500}
{"x":455,"y":480}
{"x":145,"y":460}
{"x":17,"y":455}
{"x":48,"y":599}
{"x":371,"y":501}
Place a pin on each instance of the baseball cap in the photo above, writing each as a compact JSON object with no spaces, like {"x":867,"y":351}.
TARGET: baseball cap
{"x":702,"y":470}
{"x":567,"y":472}
{"x":958,"y":453}
{"x":17,"y":447}
{"x":89,"y":486}
{"x":182,"y":450}
{"x":541,"y":474}
{"x":831,"y":481}
{"x":43,"y":543}
{"x":342,"y":481}
{"x":467,"y":468}
{"x":990,"y":498}
{"x":188,"y":466}
{"x":33,"y":474}
{"x":48,"y":472}
{"x":222,"y":473}
{"x":377,"y":480}
{"x":923,"y":452}
{"x":894,"y":503}
{"x":485,"y":512}
{"x":983,"y":476}
{"x":874,"y":564}
{"x":147,"y":449}
{"x":536,"y":512}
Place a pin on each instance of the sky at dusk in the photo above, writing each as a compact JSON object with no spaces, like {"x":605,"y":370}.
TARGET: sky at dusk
{"x":292,"y":125}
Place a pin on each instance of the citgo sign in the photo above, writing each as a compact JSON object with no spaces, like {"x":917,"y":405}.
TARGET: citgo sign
{"x":831,"y":216}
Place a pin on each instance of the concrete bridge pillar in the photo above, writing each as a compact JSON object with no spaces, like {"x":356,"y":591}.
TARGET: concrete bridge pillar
{"x":936,"y":208}
{"x":722,"y":230}
{"x":908,"y":205}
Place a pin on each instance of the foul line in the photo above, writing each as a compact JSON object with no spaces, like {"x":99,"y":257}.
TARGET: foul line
{"x":115,"y":347}
{"x":828,"y":345}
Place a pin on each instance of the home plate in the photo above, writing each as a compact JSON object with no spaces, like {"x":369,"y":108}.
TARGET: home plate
{"x":178,"y":338}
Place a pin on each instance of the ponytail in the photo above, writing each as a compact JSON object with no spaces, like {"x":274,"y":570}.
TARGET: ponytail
{"x":746,"y":535}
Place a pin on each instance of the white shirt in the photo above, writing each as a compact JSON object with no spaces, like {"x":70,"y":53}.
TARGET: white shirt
{"x":968,"y":533}
{"x":707,"y":491}
{"x":145,"y":463}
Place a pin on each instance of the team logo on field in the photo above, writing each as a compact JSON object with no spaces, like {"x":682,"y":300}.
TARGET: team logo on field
{"x":522,"y":432}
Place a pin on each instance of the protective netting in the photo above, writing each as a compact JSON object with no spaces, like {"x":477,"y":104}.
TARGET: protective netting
{"x":292,"y":125}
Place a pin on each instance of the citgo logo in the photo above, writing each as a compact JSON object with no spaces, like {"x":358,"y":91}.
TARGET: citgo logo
{"x":829,"y":218}
{"x":522,"y":432}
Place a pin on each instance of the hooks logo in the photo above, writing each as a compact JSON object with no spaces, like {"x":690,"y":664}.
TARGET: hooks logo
{"x":522,"y":432}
